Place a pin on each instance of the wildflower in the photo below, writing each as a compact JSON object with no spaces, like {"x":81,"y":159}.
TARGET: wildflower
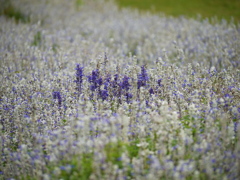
{"x":159,"y":82}
{"x":125,"y":84}
{"x":115,"y":81}
{"x":57,"y":95}
{"x":79,"y":77}
{"x":151,"y":91}
{"x":94,"y":80}
{"x":107,"y":82}
{"x":116,"y":86}
{"x":128,"y":96}
{"x":142,"y":78}
{"x":103,"y":94}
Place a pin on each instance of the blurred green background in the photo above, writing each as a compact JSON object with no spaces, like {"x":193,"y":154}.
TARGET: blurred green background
{"x":190,"y":8}
{"x":222,"y":9}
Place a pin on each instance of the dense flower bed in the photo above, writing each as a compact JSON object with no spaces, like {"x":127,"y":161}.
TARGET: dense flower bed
{"x":93,"y":92}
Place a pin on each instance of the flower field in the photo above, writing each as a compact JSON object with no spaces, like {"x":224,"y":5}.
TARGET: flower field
{"x":94,"y":92}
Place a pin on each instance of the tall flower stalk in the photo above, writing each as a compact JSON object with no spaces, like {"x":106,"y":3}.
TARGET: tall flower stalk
{"x":79,"y":78}
{"x":58,"y":97}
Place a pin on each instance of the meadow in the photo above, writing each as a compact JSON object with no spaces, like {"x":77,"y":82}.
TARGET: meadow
{"x":94,"y":91}
{"x":213,"y":9}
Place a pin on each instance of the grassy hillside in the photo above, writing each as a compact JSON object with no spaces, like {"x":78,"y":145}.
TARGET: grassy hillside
{"x":190,"y":8}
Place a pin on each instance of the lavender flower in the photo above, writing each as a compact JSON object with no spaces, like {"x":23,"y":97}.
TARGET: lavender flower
{"x":151,"y":91}
{"x":79,"y":78}
{"x":128,"y":97}
{"x":116,"y":86}
{"x":94,"y":80}
{"x":103,"y":94}
{"x":114,"y":83}
{"x":57,"y":96}
{"x":142,"y":78}
{"x":160,"y":83}
{"x":128,"y":126}
{"x":125,"y":84}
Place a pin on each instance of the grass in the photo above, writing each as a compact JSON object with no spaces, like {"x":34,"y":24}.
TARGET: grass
{"x":37,"y":39}
{"x":9,"y":10}
{"x":222,"y":9}
{"x":189,"y":8}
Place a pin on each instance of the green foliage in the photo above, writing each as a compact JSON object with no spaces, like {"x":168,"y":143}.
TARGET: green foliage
{"x":37,"y":40}
{"x":9,"y":10}
{"x":64,"y":122}
{"x":79,"y":167}
{"x":114,"y":152}
{"x":78,"y":4}
{"x":151,"y":142}
{"x":186,"y":120}
{"x":133,"y":149}
{"x":27,"y":177}
{"x":86,"y":166}
{"x":55,"y":47}
{"x":190,"y":8}
{"x":188,"y":123}
{"x":174,"y":142}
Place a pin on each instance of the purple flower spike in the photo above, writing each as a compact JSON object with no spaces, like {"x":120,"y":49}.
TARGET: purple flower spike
{"x":151,"y":91}
{"x":79,"y":77}
{"x":94,"y":77}
{"x":160,"y":83}
{"x":125,"y":84}
{"x":128,"y":97}
{"x":94,"y":80}
{"x":142,"y":78}
{"x":57,"y":95}
{"x":103,"y":94}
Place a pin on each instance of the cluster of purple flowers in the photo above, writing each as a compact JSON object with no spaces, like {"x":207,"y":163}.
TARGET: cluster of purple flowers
{"x":57,"y":96}
{"x":109,"y":88}
{"x":142,"y":78}
{"x":166,"y":119}
{"x":95,"y":84}
{"x":104,"y":86}
{"x":125,"y":85}
{"x":95,"y":80}
{"x":79,"y":77}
